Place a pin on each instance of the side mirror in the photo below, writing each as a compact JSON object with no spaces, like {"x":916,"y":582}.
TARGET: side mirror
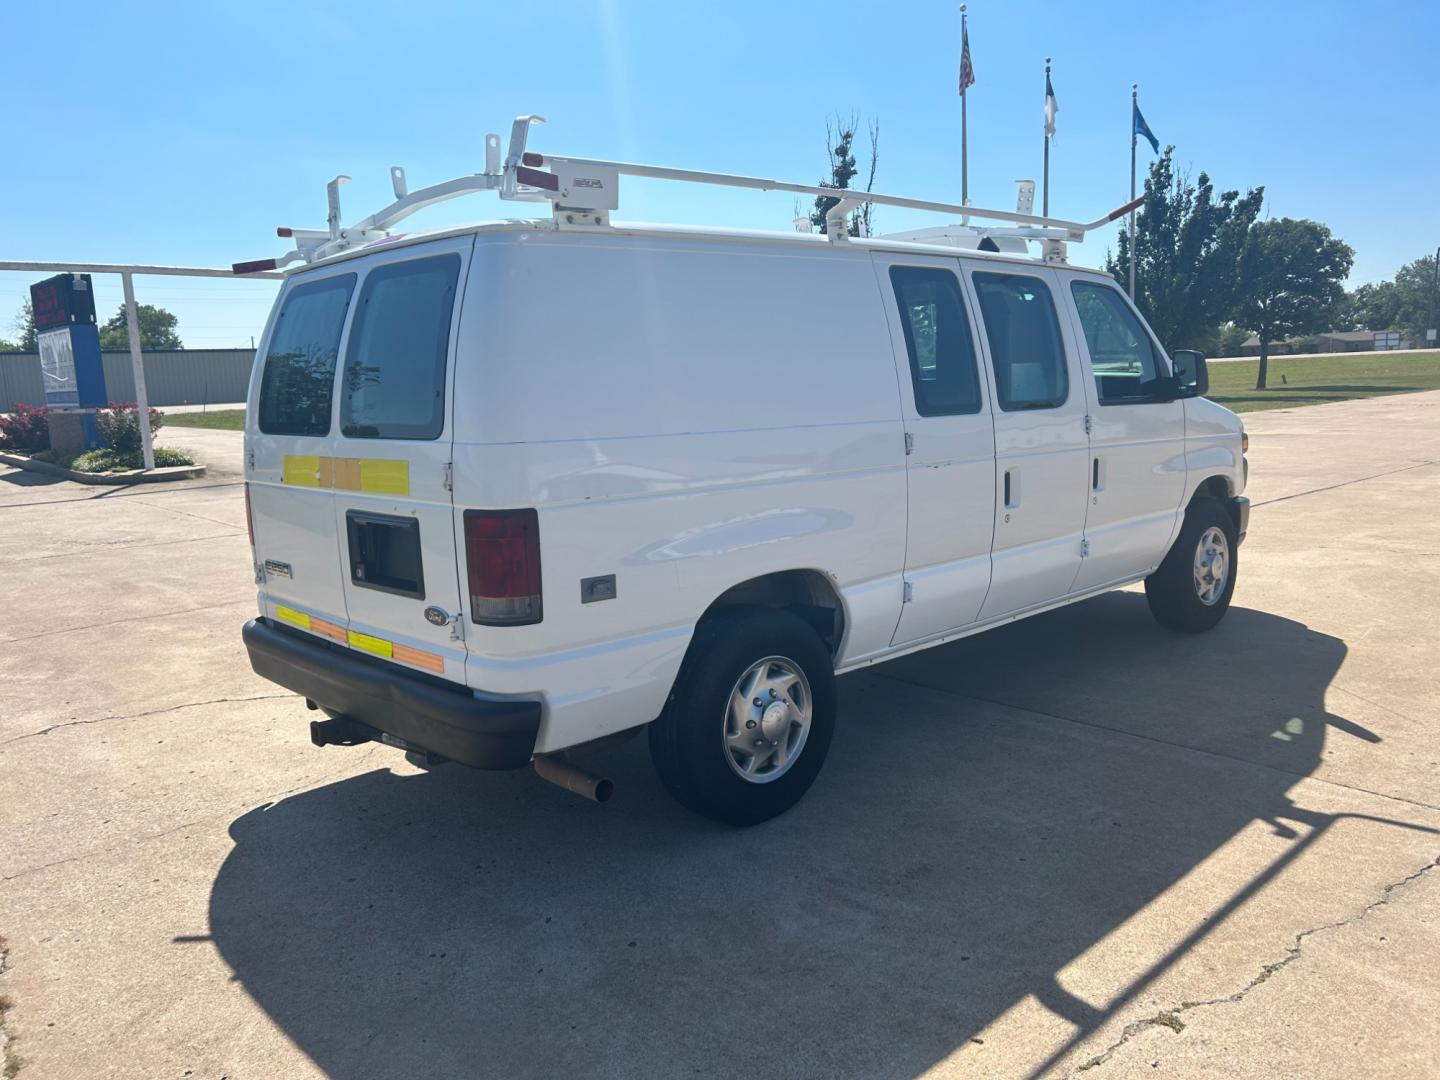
{"x":1191,"y":374}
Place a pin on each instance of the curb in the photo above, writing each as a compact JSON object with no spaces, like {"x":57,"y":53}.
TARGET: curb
{"x":130,"y":476}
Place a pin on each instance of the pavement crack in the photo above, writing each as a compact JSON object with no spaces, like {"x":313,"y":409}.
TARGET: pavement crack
{"x":1171,"y":1018}
{"x":116,"y":622}
{"x":1344,"y":483}
{"x":121,"y":545}
{"x":141,"y":715}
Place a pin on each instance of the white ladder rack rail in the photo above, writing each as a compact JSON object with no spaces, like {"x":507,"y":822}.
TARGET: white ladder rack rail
{"x":583,"y":191}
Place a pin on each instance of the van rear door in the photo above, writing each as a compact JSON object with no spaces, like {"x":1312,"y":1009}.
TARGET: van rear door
{"x":289,"y":447}
{"x":393,"y":515}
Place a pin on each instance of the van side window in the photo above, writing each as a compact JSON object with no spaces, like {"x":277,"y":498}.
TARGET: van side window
{"x":1122,"y":355}
{"x":1025,"y":343}
{"x":299,"y":374}
{"x":937,"y":337}
{"x":394,"y":385}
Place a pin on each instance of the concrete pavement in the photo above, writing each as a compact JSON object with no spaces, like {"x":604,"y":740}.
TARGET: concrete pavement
{"x":1078,"y":846}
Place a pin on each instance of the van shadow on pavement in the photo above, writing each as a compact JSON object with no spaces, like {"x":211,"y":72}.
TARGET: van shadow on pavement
{"x":952,"y":858}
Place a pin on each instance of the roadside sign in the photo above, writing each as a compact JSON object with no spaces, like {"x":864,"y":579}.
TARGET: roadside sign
{"x":1430,"y":334}
{"x":57,"y":367}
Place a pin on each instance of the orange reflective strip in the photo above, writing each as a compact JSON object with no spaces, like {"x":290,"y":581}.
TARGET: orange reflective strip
{"x":328,"y":629}
{"x":418,"y":657}
{"x":347,"y":473}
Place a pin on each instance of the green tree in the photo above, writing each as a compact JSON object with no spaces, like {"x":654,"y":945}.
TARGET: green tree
{"x":1290,"y":281}
{"x":840,"y":144}
{"x":1187,"y":244}
{"x":157,"y":329}
{"x":25,"y":326}
{"x":1409,"y":303}
{"x":1232,"y":339}
{"x":1372,"y":307}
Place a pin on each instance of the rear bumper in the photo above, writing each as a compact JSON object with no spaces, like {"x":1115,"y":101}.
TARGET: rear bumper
{"x":486,"y":733}
{"x":1240,"y":511}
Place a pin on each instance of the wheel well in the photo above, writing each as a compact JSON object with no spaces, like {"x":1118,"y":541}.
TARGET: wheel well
{"x":806,"y":593}
{"x":1216,"y":487}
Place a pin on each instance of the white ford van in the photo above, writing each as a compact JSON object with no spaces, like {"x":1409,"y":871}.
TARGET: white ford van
{"x":519,"y":488}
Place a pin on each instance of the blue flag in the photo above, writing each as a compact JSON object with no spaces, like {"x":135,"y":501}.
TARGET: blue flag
{"x":1143,"y":129}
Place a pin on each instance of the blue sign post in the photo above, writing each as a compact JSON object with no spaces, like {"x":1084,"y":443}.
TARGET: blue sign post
{"x":70,"y":364}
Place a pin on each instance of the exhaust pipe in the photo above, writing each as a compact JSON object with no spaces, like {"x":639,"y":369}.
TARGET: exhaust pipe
{"x":341,"y":731}
{"x":573,"y":778}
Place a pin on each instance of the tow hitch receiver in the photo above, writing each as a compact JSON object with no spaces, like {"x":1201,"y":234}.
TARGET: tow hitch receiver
{"x":342,"y":731}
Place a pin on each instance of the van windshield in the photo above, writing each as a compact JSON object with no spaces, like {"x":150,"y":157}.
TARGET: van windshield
{"x":299,"y":375}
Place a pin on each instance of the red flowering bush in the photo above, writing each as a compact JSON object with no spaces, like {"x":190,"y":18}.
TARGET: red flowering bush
{"x":27,"y":428}
{"x":120,"y":425}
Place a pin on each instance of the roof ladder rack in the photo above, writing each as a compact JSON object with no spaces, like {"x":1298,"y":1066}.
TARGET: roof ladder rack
{"x":583,"y":191}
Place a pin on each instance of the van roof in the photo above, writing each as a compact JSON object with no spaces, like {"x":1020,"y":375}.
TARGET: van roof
{"x":811,"y":243}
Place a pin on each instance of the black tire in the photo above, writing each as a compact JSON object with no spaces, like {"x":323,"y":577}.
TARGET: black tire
{"x":1171,"y":590}
{"x":687,"y":742}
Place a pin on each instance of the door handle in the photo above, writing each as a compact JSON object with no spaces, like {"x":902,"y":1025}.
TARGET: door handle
{"x":1097,"y":475}
{"x":1012,"y":488}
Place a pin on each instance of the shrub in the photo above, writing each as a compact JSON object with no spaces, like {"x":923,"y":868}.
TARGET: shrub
{"x":98,"y":461}
{"x":120,"y":426}
{"x":27,"y":428}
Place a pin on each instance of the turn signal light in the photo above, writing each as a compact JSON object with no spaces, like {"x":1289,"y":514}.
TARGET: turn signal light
{"x":502,"y":560}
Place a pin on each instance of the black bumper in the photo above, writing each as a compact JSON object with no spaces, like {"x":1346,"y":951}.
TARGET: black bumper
{"x":1240,"y":511}
{"x":486,"y":733}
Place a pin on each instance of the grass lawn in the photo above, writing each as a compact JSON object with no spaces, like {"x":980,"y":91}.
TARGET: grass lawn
{"x":222,"y":419}
{"x":1315,"y":381}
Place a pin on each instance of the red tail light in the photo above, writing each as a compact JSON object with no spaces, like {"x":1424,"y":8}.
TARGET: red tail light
{"x":502,"y":556}
{"x":249,"y":518}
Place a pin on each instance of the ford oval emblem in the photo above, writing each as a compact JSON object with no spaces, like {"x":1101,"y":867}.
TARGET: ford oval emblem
{"x":436,"y":616}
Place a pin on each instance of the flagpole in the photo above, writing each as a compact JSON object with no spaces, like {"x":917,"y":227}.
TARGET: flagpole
{"x":1045,"y":211}
{"x":1134,"y":105}
{"x":964,"y":128}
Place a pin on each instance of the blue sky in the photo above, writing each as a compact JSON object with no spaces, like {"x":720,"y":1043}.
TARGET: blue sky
{"x":184,"y":133}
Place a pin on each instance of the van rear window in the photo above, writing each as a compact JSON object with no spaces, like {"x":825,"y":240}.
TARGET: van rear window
{"x":299,"y":373}
{"x":394,"y":384}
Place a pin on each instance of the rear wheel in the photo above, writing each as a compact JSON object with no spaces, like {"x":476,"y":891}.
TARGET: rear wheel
{"x":749,"y":722}
{"x":1191,"y":589}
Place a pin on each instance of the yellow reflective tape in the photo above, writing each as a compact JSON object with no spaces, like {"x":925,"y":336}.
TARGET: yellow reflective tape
{"x":293,"y":617}
{"x":378,"y":646}
{"x":385,"y":476}
{"x":302,"y":470}
{"x":382,"y":476}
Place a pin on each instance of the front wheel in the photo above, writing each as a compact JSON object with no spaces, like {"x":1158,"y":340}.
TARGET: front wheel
{"x":749,"y":722}
{"x":1191,"y":589}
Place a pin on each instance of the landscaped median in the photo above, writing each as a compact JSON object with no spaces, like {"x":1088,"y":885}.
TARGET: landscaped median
{"x":25,"y":444}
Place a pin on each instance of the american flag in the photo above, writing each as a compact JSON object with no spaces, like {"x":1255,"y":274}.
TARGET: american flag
{"x":967,"y":70}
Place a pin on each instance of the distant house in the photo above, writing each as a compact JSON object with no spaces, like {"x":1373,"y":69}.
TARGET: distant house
{"x":1332,"y":342}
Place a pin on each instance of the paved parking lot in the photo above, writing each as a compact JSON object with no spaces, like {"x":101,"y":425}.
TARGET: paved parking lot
{"x":1076,"y":846}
